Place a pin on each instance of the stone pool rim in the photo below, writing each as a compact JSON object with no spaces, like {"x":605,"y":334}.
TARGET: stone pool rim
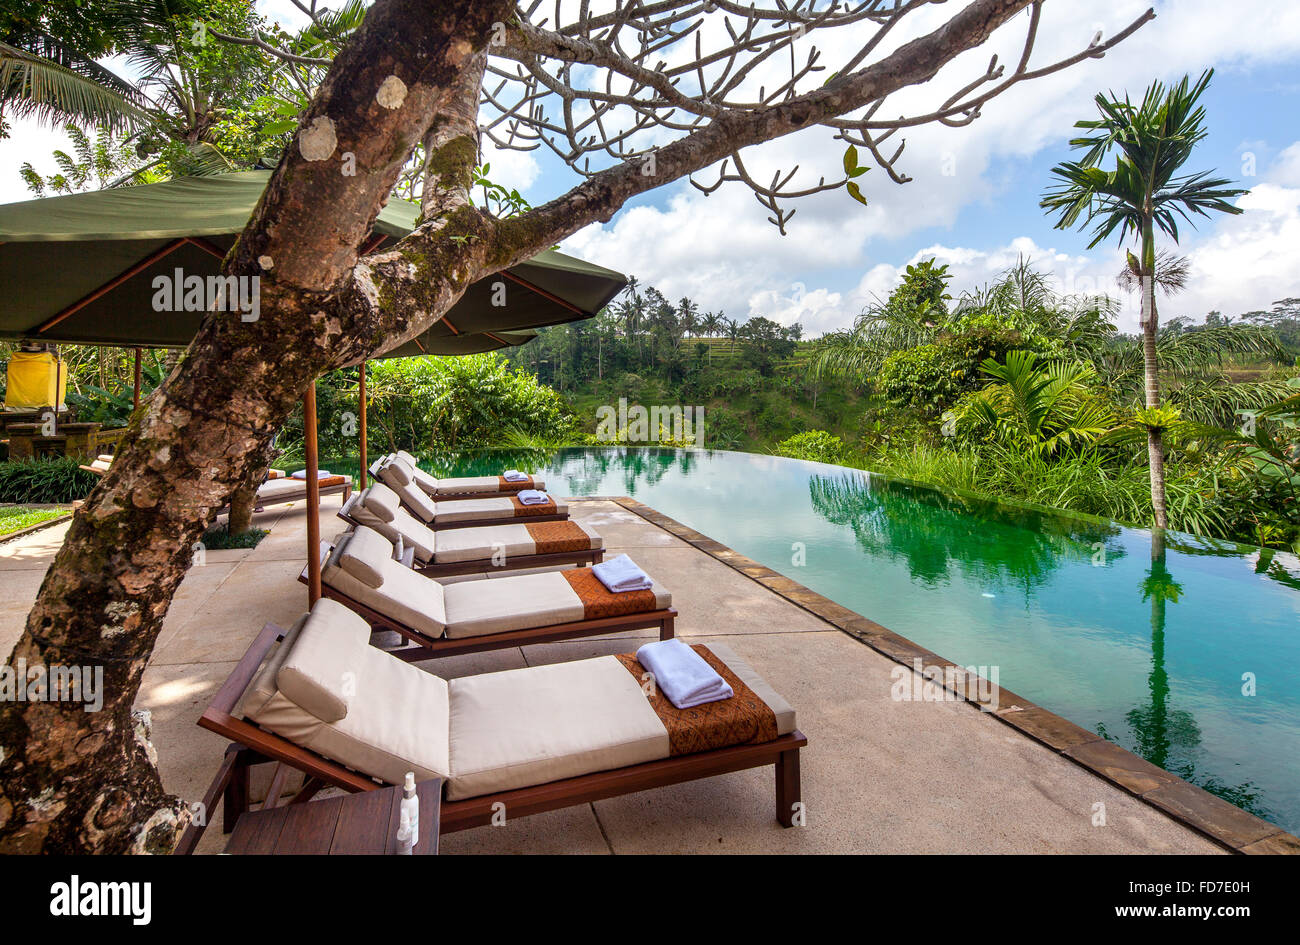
{"x":1225,"y":824}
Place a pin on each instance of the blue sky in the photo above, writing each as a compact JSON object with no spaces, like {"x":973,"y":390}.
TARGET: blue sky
{"x":983,"y":213}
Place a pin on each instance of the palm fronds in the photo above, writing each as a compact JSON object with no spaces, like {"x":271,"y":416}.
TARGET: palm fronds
{"x":32,"y":86}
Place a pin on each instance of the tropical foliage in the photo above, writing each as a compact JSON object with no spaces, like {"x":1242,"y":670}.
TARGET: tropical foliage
{"x":44,"y":481}
{"x":1047,"y":406}
{"x":1147,"y":189}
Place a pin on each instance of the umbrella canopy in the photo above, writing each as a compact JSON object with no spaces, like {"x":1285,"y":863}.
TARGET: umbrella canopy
{"x":80,"y":269}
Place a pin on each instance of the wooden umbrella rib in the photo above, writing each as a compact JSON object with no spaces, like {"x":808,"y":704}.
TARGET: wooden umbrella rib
{"x":549,"y":296}
{"x":206,"y":245}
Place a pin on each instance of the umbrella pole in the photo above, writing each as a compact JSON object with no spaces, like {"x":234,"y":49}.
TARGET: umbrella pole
{"x":135,"y":399}
{"x":313,"y":493}
{"x":361,"y":390}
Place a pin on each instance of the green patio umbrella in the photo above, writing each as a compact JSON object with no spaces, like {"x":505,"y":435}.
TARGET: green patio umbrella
{"x":80,"y":269}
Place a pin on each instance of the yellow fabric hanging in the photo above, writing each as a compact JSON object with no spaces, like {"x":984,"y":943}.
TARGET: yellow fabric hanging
{"x":36,"y":379}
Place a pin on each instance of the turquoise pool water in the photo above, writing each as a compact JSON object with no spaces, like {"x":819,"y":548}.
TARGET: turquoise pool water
{"x":1152,"y":647}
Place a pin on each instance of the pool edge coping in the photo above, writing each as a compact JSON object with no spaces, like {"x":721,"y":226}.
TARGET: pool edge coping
{"x":1227,"y":825}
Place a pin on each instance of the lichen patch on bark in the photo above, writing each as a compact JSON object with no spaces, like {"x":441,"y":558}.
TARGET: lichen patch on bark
{"x":317,"y":141}
{"x":392,"y":93}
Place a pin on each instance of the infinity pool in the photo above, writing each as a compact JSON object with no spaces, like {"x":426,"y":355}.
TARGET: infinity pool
{"x":1153,"y":647}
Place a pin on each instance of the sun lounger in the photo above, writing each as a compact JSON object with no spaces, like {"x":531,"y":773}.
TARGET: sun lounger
{"x":319,"y":699}
{"x":287,"y":489}
{"x":472,"y":550}
{"x":470,"y":616}
{"x":99,"y":465}
{"x":464,"y":512}
{"x":457,"y":487}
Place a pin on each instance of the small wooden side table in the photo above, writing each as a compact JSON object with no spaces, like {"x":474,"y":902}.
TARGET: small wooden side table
{"x":362,"y":823}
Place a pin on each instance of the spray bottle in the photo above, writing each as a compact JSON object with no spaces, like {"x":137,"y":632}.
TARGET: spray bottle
{"x":408,"y":817}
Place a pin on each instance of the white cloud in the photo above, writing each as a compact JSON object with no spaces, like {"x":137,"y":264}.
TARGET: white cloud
{"x":511,"y":169}
{"x":721,"y":251}
{"x":33,"y":143}
{"x":1286,"y":169}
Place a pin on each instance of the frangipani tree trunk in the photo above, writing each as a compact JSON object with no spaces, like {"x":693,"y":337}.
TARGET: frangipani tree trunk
{"x":79,"y":781}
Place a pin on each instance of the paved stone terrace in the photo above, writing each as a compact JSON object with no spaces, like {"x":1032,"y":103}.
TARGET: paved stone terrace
{"x":879,"y":776}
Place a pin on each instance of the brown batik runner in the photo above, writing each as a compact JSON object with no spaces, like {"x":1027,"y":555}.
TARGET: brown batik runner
{"x":553,"y":538}
{"x":328,"y":481}
{"x":542,"y":508}
{"x":507,"y":485}
{"x":599,"y":601}
{"x":744,"y":719}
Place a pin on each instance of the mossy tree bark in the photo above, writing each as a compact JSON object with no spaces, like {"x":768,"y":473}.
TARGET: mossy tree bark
{"x":72,"y":780}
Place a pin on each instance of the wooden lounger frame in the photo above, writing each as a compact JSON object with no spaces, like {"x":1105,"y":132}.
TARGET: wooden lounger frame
{"x":423,"y":647}
{"x":512,"y":562}
{"x":253,"y":745}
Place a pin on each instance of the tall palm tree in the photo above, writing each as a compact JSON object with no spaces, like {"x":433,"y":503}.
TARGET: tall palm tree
{"x":1145,"y":190}
{"x":689,"y":313}
{"x":733,"y":332}
{"x":710,"y":325}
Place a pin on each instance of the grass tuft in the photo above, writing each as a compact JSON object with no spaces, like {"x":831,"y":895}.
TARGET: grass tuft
{"x":218,"y":538}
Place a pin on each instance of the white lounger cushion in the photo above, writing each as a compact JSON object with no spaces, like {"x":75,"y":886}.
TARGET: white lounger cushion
{"x":517,"y":602}
{"x":480,"y":544}
{"x":405,"y":595}
{"x":469,"y":485}
{"x":381,"y":501}
{"x":487,"y":733}
{"x":501,"y":507}
{"x":543,"y":723}
{"x":274,"y":489}
{"x":397,"y":476}
{"x":427,"y":484}
{"x":365,"y":509}
{"x":319,"y":672}
{"x":397,"y":715}
{"x":462,"y":485}
{"x":415,"y":476}
{"x":264,"y":687}
{"x":362,"y":552}
{"x":475,"y":608}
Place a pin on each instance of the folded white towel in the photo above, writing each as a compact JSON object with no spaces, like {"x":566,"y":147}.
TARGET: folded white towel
{"x":682,"y":674}
{"x":533,"y":497}
{"x":320,"y":474}
{"x":620,"y":574}
{"x":514,"y":475}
